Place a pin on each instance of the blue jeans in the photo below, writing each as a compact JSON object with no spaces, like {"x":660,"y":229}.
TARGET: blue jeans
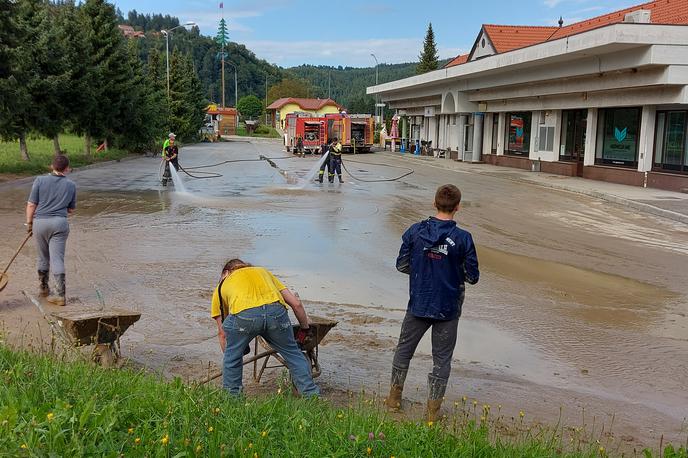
{"x":271,"y":322}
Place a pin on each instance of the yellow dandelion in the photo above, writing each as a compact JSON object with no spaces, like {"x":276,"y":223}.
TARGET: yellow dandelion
{"x":198,"y":449}
{"x":602,"y":450}
{"x":430,"y":423}
{"x":217,"y":410}
{"x":264,"y":433}
{"x":369,"y":450}
{"x":255,"y":455}
{"x":340,"y":415}
{"x":482,"y":418}
{"x":250,"y":445}
{"x":187,"y":442}
{"x":210,"y":429}
{"x":50,"y":416}
{"x":130,"y":430}
{"x":464,"y":399}
{"x":475,"y":403}
{"x":165,"y":440}
{"x":521,"y":414}
{"x":137,"y":441}
{"x":24,"y":446}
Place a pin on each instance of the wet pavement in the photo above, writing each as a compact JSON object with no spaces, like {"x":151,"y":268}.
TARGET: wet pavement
{"x":581,"y":303}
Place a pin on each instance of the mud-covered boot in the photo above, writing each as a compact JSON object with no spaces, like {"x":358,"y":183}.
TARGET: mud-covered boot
{"x":43,"y":283}
{"x":393,"y":401}
{"x":58,"y":297}
{"x":341,"y":180}
{"x":436,"y":388}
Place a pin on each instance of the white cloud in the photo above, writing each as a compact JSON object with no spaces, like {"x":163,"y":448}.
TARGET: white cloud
{"x":352,"y":53}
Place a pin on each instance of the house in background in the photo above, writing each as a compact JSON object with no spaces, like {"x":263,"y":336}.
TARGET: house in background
{"x":280,"y":108}
{"x":129,"y":32}
{"x":223,"y":120}
{"x":605,"y":98}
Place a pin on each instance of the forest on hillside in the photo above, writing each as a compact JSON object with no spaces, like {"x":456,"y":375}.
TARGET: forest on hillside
{"x":346,"y":85}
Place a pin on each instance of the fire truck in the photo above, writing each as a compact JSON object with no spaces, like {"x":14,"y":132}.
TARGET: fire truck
{"x":307,"y":126}
{"x":355,"y":132}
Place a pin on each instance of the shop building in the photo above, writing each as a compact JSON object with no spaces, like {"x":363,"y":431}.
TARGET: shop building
{"x":605,"y":98}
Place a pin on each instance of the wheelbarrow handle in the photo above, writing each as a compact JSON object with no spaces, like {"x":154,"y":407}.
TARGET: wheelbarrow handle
{"x":28,"y":236}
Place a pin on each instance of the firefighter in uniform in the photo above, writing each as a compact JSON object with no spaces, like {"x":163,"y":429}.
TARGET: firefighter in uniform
{"x":335,"y":161}
{"x":170,"y":155}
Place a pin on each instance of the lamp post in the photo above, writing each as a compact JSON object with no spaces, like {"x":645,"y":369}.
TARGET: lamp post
{"x":167,"y":49}
{"x":236,"y":91}
{"x":377,"y":119}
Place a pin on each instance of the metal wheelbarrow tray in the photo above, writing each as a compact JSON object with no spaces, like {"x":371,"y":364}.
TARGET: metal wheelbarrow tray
{"x":87,"y":327}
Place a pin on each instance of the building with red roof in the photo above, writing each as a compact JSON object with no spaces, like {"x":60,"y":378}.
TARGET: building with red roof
{"x":280,"y":108}
{"x":603,"y":98}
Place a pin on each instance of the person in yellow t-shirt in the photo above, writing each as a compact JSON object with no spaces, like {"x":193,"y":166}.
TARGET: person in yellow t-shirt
{"x":248,"y":302}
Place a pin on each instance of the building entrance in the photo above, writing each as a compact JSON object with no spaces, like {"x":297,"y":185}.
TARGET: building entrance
{"x":573,"y":128}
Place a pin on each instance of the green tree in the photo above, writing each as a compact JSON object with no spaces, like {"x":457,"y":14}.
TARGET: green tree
{"x":289,"y":87}
{"x":222,"y":37}
{"x":103,"y":115}
{"x":187,"y":104}
{"x":12,"y":94}
{"x":250,"y":107}
{"x":428,"y":58}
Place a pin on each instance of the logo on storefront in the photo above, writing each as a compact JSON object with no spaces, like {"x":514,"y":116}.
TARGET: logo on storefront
{"x":620,"y":135}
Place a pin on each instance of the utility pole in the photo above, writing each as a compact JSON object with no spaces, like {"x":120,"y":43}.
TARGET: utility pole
{"x":377,"y":118}
{"x":223,"y":77}
{"x":167,"y":49}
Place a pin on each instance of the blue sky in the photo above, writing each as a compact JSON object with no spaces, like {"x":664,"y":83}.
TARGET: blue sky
{"x":292,"y":32}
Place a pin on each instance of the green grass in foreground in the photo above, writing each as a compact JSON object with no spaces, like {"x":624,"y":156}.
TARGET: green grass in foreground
{"x":50,"y":408}
{"x":41,"y":154}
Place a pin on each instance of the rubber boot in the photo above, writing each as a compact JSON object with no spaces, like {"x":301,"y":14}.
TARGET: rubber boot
{"x":341,"y":180}
{"x":436,"y":389}
{"x":330,"y":178}
{"x":43,"y":284}
{"x":393,"y":401}
{"x":58,"y":298}
{"x":320,"y":177}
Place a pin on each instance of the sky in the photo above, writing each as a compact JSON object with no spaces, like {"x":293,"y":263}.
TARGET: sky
{"x":295,"y":32}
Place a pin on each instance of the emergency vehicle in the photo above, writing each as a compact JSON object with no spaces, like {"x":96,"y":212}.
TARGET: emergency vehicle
{"x":307,"y":126}
{"x":356,"y":132}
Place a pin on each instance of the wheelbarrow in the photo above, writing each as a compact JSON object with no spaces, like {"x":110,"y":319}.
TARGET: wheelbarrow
{"x":263,"y":352}
{"x":102,"y":328}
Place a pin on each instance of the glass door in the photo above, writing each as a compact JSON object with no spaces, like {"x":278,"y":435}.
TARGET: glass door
{"x":573,"y":128}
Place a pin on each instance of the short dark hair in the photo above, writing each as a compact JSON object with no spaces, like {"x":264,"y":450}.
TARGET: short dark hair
{"x":447,"y":198}
{"x":60,"y":163}
{"x":234,"y":264}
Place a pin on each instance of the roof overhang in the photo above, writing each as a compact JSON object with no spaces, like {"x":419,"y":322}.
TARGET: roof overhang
{"x":611,"y":48}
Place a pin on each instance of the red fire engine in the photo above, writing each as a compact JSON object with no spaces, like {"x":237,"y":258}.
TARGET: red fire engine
{"x":355,"y":132}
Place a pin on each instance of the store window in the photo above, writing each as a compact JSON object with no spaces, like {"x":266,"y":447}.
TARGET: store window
{"x":617,"y":137}
{"x":518,"y":133}
{"x":671,"y":141}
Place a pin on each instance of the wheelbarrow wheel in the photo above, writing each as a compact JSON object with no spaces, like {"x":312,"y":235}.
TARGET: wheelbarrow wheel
{"x":104,"y":355}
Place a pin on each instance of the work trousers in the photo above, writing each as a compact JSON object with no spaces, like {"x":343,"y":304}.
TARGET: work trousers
{"x":271,"y":322}
{"x":335,"y":164}
{"x":325,"y":163}
{"x":51,"y":242}
{"x":444,"y":334}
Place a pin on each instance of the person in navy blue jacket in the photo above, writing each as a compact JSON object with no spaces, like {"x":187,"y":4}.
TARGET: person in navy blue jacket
{"x":439,"y":258}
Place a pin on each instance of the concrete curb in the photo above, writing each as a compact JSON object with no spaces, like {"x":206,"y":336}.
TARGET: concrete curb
{"x":618,"y":200}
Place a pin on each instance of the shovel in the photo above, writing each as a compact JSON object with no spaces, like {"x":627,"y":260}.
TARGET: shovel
{"x":3,"y":276}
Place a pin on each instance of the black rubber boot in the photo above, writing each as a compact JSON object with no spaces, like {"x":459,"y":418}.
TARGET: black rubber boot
{"x":341,"y":180}
{"x":59,"y":297}
{"x":43,"y":283}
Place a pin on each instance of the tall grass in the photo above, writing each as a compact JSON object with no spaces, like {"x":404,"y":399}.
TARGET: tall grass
{"x":52,"y":408}
{"x":41,"y":153}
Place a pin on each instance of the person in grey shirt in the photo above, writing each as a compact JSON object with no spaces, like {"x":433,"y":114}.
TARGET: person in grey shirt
{"x":52,"y":199}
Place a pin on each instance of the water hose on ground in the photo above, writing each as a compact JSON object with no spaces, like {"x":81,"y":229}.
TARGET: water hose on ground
{"x":380,"y":180}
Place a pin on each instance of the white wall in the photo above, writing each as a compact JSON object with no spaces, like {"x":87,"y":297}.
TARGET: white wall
{"x":647,"y":138}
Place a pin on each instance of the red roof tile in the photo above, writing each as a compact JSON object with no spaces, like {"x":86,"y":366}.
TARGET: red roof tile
{"x":306,"y":104}
{"x":458,"y":60}
{"x":661,"y":12}
{"x":508,"y":37}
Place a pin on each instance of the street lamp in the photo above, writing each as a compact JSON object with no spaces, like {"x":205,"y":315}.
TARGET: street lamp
{"x":377,"y":119}
{"x":167,"y":49}
{"x":236,"y":91}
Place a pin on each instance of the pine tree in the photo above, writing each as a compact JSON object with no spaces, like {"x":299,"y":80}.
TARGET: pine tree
{"x":12,"y":93}
{"x":187,"y":104}
{"x":103,"y":115}
{"x":428,"y":58}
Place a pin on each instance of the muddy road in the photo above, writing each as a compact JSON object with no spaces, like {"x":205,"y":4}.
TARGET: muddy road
{"x":581,"y":304}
